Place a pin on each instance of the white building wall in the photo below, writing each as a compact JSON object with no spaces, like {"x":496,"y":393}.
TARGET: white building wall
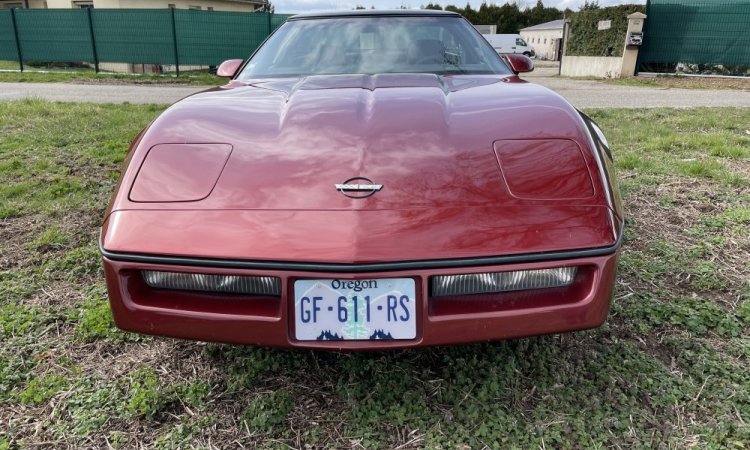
{"x":543,"y":42}
{"x":591,"y":66}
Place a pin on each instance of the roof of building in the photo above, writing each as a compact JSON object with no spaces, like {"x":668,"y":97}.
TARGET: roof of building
{"x":554,"y":25}
{"x":373,"y":12}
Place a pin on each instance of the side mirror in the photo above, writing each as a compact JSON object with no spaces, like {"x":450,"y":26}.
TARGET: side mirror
{"x":229,"y":68}
{"x":519,"y":63}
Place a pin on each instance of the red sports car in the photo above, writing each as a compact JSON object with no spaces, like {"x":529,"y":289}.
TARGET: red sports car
{"x":366,"y":180}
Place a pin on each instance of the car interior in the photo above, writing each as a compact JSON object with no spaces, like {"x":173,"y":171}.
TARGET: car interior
{"x":357,"y":46}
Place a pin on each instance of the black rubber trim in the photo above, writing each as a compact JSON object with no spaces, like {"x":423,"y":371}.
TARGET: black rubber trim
{"x":358,"y":268}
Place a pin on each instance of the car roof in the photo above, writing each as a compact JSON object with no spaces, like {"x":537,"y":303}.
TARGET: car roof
{"x":375,"y":13}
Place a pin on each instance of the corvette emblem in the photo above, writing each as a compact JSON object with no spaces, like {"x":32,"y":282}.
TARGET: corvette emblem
{"x":358,"y":187}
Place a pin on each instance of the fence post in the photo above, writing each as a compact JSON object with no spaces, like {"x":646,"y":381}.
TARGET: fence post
{"x":638,"y":59}
{"x":564,"y":51}
{"x":93,"y":41}
{"x":630,"y":51}
{"x":15,"y":33}
{"x":174,"y":39}
{"x":268,"y":13}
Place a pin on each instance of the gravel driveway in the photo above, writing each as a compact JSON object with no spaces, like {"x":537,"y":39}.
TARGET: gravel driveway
{"x":581,"y":93}
{"x":96,"y":93}
{"x":598,"y":94}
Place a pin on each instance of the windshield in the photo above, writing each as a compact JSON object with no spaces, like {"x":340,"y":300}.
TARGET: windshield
{"x":372,"y":45}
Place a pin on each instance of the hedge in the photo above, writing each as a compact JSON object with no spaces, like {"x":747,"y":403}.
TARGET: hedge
{"x":585,"y":39}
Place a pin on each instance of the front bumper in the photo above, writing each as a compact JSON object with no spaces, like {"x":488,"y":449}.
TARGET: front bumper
{"x":269,"y":321}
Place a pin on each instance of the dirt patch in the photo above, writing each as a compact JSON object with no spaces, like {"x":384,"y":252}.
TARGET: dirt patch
{"x":739,"y":166}
{"x":15,"y":232}
{"x":679,"y":82}
{"x":686,"y":215}
{"x":174,"y":359}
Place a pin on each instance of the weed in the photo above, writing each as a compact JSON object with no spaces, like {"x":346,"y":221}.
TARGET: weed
{"x":146,"y":394}
{"x":695,"y":315}
{"x":95,"y":321}
{"x":75,"y":264}
{"x":268,"y":411}
{"x":18,"y":320}
{"x":743,"y":310}
{"x":41,"y":389}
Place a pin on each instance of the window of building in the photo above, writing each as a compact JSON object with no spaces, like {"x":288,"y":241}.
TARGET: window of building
{"x":171,"y":5}
{"x":83,"y":4}
{"x":209,"y":8}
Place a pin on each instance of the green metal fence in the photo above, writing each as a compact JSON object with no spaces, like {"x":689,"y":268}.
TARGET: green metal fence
{"x":701,"y":32}
{"x":8,"y":48}
{"x":147,"y":36}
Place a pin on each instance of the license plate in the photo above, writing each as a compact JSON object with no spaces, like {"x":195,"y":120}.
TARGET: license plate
{"x":382,"y":308}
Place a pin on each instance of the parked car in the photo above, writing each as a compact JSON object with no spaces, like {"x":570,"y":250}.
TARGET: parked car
{"x":509,"y":43}
{"x":366,"y":180}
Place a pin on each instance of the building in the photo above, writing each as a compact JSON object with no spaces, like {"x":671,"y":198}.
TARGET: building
{"x":545,"y":38}
{"x":486,"y":29}
{"x":205,"y":5}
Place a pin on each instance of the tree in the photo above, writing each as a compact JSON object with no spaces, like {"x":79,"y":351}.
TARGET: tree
{"x":359,"y":7}
{"x":590,"y":4}
{"x":267,"y":7}
{"x":470,"y":14}
{"x":509,"y":17}
{"x":512,"y":19}
{"x":434,"y":6}
{"x":541,"y":14}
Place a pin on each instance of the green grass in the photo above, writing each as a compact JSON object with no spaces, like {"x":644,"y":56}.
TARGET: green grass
{"x":89,"y":76}
{"x":668,"y":369}
{"x":700,"y":143}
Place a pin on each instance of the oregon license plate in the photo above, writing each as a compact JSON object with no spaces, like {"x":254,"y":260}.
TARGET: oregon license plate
{"x":335,"y":309}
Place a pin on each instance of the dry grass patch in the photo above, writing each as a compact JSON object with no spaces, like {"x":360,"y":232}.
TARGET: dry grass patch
{"x":668,"y":370}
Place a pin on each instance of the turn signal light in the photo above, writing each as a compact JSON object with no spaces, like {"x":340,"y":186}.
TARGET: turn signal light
{"x":483,"y":283}
{"x":225,"y":284}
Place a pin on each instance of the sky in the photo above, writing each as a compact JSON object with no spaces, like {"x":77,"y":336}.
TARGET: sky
{"x":297,"y":6}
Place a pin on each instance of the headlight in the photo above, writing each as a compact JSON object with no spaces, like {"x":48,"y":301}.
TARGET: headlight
{"x":544,"y":169}
{"x":483,"y":283}
{"x":179,"y":172}
{"x":227,"y":284}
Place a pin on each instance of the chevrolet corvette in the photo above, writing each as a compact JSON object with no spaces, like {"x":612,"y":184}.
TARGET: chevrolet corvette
{"x":365,"y":180}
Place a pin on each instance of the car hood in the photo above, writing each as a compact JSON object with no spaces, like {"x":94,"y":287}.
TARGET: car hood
{"x":426,"y":139}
